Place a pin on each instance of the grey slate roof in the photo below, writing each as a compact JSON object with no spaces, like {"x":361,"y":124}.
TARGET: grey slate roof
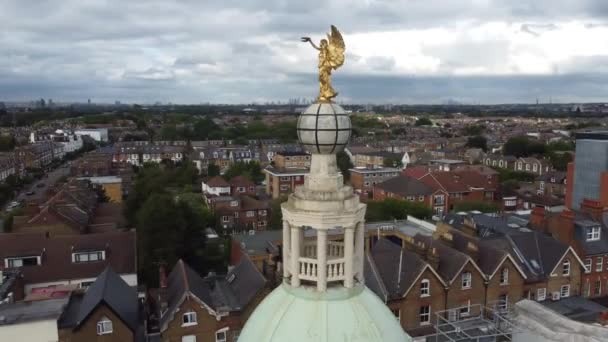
{"x":21,"y":312}
{"x":398,"y":268}
{"x":536,"y":253}
{"x":108,"y":289}
{"x":221,"y":293}
{"x":451,"y":260}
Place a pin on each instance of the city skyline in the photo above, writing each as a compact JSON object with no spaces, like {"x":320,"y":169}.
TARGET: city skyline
{"x":408,"y":52}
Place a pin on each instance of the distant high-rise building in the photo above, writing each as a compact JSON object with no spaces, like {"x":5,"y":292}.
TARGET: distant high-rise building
{"x":588,"y":175}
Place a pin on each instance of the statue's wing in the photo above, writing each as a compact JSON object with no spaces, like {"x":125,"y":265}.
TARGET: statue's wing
{"x":336,"y":48}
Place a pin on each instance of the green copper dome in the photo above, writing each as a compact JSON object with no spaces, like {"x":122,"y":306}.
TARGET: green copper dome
{"x":339,"y":314}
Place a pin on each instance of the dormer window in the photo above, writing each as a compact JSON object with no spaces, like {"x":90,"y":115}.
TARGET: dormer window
{"x":90,"y":256}
{"x":104,"y":326}
{"x":593,"y":233}
{"x":33,"y":260}
{"x":189,"y":318}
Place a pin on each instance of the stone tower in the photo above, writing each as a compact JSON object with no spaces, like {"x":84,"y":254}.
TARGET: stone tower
{"x":323,"y":296}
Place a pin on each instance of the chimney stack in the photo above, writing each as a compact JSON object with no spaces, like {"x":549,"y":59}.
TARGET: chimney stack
{"x":162,"y":276}
{"x":432,"y":257}
{"x":537,"y":218}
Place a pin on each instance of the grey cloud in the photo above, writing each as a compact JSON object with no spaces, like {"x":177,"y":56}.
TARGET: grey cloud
{"x":224,"y":51}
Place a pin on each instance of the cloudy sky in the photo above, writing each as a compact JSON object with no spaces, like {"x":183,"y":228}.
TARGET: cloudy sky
{"x":243,"y":51}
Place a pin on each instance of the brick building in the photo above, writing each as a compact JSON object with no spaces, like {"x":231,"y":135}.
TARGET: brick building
{"x":107,"y":311}
{"x":364,"y":179}
{"x":214,"y":308}
{"x":287,"y":172}
{"x":413,"y":190}
{"x":240,"y":212}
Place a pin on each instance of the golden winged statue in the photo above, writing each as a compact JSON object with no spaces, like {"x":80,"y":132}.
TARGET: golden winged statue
{"x":331,"y":57}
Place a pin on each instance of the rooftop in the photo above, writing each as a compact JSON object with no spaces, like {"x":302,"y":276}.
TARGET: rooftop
{"x":21,"y":312}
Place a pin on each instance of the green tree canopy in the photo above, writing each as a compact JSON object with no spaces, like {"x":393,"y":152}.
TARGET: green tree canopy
{"x":478,"y":141}
{"x":424,"y":122}
{"x":394,"y":209}
{"x":251,"y":170}
{"x":523,"y":147}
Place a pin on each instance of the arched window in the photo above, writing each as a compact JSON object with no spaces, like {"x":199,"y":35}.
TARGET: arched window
{"x":425,"y":288}
{"x":566,"y":268}
{"x":104,"y":326}
{"x":504,"y":276}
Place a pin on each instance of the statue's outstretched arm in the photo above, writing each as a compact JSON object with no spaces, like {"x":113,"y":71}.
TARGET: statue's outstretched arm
{"x":307,"y":39}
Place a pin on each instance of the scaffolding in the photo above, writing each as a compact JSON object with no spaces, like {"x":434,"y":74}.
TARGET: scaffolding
{"x":474,"y":323}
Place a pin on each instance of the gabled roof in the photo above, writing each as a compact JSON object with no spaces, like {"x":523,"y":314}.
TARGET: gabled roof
{"x":241,"y":181}
{"x":394,"y":270}
{"x":405,"y":186}
{"x":451,"y":261}
{"x":108,"y":289}
{"x":537,"y":254}
{"x":219,"y":294}
{"x":217,"y":182}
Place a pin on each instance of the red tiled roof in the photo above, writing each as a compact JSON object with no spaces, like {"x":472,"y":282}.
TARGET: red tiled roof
{"x":415,"y":171}
{"x":458,"y":181}
{"x":217,"y":182}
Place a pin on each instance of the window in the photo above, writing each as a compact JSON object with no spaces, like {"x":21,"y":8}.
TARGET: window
{"x":566,"y":268}
{"x":534,"y":167}
{"x":284,"y":187}
{"x":593,"y":233}
{"x":425,"y":315}
{"x":85,"y":284}
{"x":527,"y":167}
{"x":597,"y":289}
{"x":366,"y":184}
{"x":221,"y":335}
{"x":599,"y":264}
{"x":189,"y":318}
{"x":104,"y":326}
{"x":425,"y":288}
{"x":466,"y":280}
{"x":587,"y":289}
{"x":504,"y":276}
{"x":588,"y":265}
{"x":88,"y":256}
{"x":410,"y":198}
{"x":519,"y":166}
{"x":262,"y":212}
{"x":421,"y":198}
{"x":503,"y":302}
{"x":541,"y":294}
{"x":240,"y":189}
{"x":439,"y":199}
{"x":285,"y":179}
{"x":250,"y":213}
{"x":465,"y":310}
{"x":225,"y":219}
{"x":234,"y":203}
{"x":189,"y":338}
{"x":564,"y":291}
{"x":22,"y":261}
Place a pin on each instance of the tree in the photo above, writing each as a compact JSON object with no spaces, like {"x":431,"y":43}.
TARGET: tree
{"x":169,"y":230}
{"x":276,"y":215}
{"x":424,"y":122}
{"x":344,"y":164}
{"x":392,"y":162}
{"x":560,"y":161}
{"x":213,"y":170}
{"x":251,"y":170}
{"x":523,"y":147}
{"x":394,"y":209}
{"x":478,"y":141}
